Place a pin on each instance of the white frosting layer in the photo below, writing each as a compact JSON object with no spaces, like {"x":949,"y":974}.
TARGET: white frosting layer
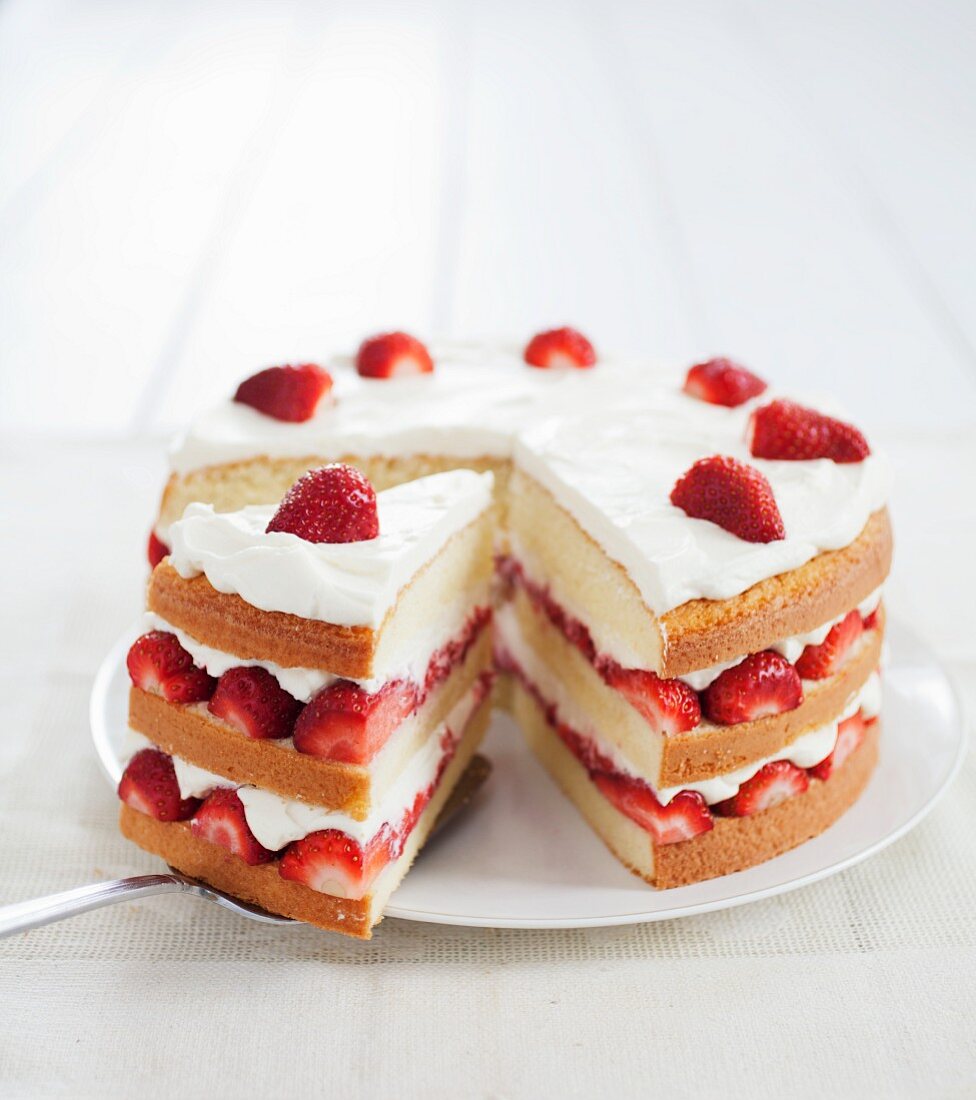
{"x":349,"y":584}
{"x":617,"y":481}
{"x":277,"y":821}
{"x":790,"y":648}
{"x":471,"y":406}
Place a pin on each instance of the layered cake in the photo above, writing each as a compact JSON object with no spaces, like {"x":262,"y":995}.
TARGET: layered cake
{"x":687,"y":584}
{"x":315,"y":678}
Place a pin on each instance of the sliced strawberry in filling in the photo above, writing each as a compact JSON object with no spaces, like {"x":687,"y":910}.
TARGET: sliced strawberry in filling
{"x":772,"y":784}
{"x":156,"y":550}
{"x":252,"y":700}
{"x":670,"y":706}
{"x":763,"y":684}
{"x":850,"y":734}
{"x":149,"y":785}
{"x":349,"y":725}
{"x":332,"y":862}
{"x":817,"y":662}
{"x":158,"y":663}
{"x":684,"y":817}
{"x":221,"y":820}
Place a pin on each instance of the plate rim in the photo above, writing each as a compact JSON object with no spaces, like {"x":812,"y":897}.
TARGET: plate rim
{"x":101,"y":738}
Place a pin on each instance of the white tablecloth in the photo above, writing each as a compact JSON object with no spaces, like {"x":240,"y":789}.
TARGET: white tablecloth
{"x":860,"y":985}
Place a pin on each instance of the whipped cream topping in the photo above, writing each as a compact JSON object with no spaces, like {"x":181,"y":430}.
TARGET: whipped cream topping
{"x":476,"y":399}
{"x":617,"y":482}
{"x":349,"y":584}
{"x":276,"y":821}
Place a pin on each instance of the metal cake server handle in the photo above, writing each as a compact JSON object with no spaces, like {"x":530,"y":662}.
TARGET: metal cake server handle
{"x":21,"y":916}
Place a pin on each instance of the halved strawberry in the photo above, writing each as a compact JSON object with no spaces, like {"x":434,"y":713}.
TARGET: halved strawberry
{"x":158,"y":663}
{"x":733,"y":495}
{"x":722,"y":382}
{"x":331,"y":504}
{"x":286,"y":393}
{"x":393,"y":355}
{"x":764,"y":683}
{"x":346,"y":724}
{"x":331,"y":862}
{"x":817,"y":662}
{"x":221,"y":820}
{"x":559,"y":347}
{"x":156,"y":550}
{"x":670,"y":706}
{"x":685,"y":816}
{"x":791,"y":432}
{"x":772,"y":784}
{"x":850,"y":733}
{"x":253,"y":701}
{"x":149,"y":785}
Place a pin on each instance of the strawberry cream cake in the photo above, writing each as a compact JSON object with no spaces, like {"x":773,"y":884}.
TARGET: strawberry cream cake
{"x":687,"y":610}
{"x":315,"y":678}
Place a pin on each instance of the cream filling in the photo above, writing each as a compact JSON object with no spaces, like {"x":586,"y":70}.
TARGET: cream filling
{"x":276,"y":821}
{"x":303,"y":683}
{"x":806,"y":751}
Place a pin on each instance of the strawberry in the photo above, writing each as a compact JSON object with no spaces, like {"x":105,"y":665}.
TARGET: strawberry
{"x":772,"y":784}
{"x":731,"y":494}
{"x":158,"y":663}
{"x":764,"y":683}
{"x":559,"y":347}
{"x":722,"y":382}
{"x":785,"y":430}
{"x":156,"y":550}
{"x":331,"y":862}
{"x":393,"y":355}
{"x":670,"y":706}
{"x":331,"y":504}
{"x":221,"y":820}
{"x":347,"y":724}
{"x":149,"y":785}
{"x":685,"y":816}
{"x":817,"y":662}
{"x":253,"y":701}
{"x":286,"y":393}
{"x":871,"y":620}
{"x":850,"y":733}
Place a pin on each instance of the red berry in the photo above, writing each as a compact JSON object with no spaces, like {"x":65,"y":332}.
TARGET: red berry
{"x":253,"y":701}
{"x":772,"y":784}
{"x":393,"y":355}
{"x":221,"y":820}
{"x":722,"y":382}
{"x":156,"y":550}
{"x":670,"y":706}
{"x":149,"y":785}
{"x":331,"y":862}
{"x":560,"y":347}
{"x":763,"y":684}
{"x":685,"y":816}
{"x":785,"y":430}
{"x":850,"y":734}
{"x":331,"y":504}
{"x":286,"y":393}
{"x":158,"y":663}
{"x":731,"y":494}
{"x":344,"y":723}
{"x":817,"y":662}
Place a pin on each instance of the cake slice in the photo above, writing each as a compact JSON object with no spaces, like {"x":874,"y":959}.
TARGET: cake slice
{"x":690,"y":640}
{"x":315,"y":679}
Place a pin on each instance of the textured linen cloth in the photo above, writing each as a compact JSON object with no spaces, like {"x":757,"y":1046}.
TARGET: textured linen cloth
{"x":861,"y":985}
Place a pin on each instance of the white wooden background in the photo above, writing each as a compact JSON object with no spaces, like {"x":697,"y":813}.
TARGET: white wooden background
{"x":190,"y":190}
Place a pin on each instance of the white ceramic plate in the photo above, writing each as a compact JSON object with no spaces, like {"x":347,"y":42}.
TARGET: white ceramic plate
{"x":521,"y":856}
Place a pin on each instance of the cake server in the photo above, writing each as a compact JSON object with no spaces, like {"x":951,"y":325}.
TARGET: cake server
{"x":21,"y":916}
